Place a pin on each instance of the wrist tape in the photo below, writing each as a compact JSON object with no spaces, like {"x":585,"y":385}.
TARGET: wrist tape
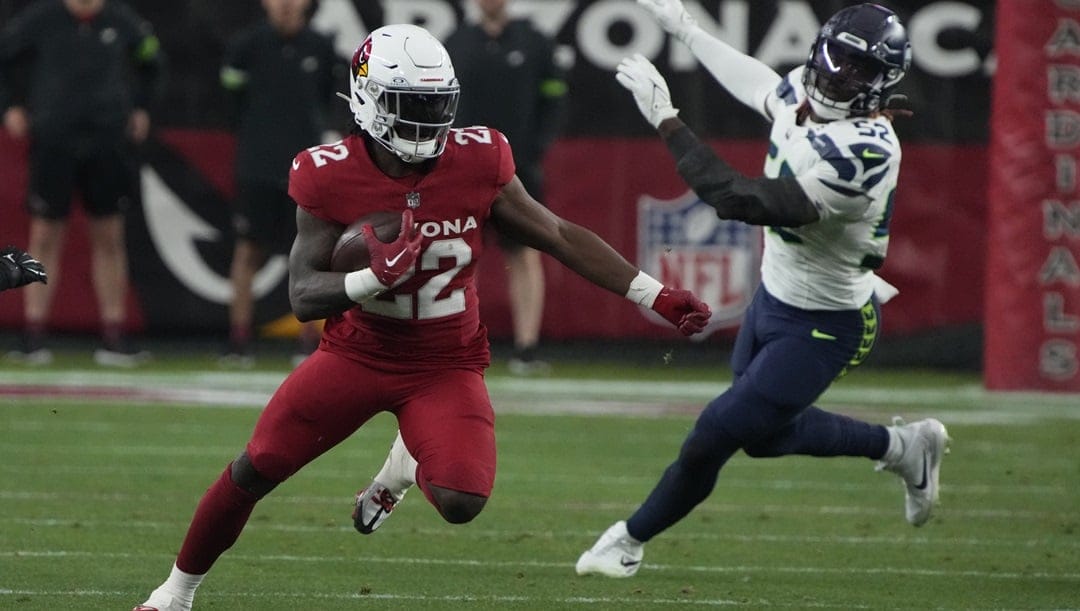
{"x":644,"y":289}
{"x":362,"y":285}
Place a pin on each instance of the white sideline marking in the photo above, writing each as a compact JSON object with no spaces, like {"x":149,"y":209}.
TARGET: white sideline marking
{"x":352,"y":559}
{"x":549,"y":395}
{"x":873,"y":484}
{"x":505,"y":504}
{"x":575,"y":600}
{"x":501,"y":535}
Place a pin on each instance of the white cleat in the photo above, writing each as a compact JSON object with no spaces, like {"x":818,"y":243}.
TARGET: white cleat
{"x":162,"y":600}
{"x":374,"y":503}
{"x":373,"y":506}
{"x":924,"y":444}
{"x":121,"y":358}
{"x":615,"y":554}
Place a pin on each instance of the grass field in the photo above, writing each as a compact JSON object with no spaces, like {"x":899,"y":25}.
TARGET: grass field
{"x":100,"y":472}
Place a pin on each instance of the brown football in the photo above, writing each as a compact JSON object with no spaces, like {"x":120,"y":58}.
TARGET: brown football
{"x":351,"y":253}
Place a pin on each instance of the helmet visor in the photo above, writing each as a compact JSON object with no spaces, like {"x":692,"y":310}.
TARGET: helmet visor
{"x":842,"y":73}
{"x":427,"y":115}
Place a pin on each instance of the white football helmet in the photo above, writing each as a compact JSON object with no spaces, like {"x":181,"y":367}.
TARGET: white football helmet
{"x":403,"y":91}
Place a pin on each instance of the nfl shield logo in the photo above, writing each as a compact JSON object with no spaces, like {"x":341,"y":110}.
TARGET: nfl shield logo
{"x":683,"y":244}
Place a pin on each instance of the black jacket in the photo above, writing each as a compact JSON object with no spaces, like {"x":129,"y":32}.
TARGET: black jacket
{"x":511,"y":83}
{"x":282,"y":89}
{"x":83,"y":76}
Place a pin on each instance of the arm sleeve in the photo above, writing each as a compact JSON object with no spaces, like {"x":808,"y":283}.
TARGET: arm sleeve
{"x":16,"y":44}
{"x":234,"y":76}
{"x":747,"y":79}
{"x":757,"y":201}
{"x":335,"y":75}
{"x":147,"y":59}
{"x":552,"y":98}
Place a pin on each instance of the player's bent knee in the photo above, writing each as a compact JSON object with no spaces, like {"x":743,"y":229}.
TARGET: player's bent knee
{"x":699,"y":451}
{"x":458,"y":507}
{"x":245,"y":476}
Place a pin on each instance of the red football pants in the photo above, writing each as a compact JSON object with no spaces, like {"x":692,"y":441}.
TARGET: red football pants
{"x":445,"y":417}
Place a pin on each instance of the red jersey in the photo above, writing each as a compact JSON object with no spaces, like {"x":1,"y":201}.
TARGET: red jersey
{"x":432,"y":319}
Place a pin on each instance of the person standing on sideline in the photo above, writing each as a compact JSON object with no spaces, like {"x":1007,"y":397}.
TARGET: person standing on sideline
{"x":282,"y":76}
{"x":826,"y":200}
{"x":18,"y":268}
{"x":403,"y":335}
{"x":93,"y":68}
{"x":510,"y":81}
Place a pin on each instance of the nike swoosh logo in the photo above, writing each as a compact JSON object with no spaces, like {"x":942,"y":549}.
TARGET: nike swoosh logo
{"x":296,"y":164}
{"x":868,"y":154}
{"x":390,"y":262}
{"x":10,"y":258}
{"x":627,"y":561}
{"x":814,"y":333}
{"x":925,"y":471}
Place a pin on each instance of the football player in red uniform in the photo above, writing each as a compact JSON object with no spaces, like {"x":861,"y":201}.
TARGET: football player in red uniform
{"x":404,"y":334}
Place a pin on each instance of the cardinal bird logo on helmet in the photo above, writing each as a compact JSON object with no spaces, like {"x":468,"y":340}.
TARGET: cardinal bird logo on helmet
{"x":361,"y":57}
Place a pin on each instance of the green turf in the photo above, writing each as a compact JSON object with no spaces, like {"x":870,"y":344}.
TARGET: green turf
{"x":95,"y":497}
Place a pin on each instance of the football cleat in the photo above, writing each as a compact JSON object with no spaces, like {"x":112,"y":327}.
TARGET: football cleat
{"x":121,"y":355}
{"x":161,"y":600}
{"x":387,"y":488}
{"x":528,"y":367}
{"x":38,"y":357}
{"x":236,"y":356}
{"x":373,"y":506}
{"x":615,"y":554}
{"x":31,"y":351}
{"x":923,"y":445}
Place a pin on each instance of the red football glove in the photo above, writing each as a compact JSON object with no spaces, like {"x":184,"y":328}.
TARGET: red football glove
{"x":389,"y":262}
{"x":682,"y":309}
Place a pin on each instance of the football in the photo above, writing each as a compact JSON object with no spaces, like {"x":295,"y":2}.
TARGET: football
{"x":351,"y":253}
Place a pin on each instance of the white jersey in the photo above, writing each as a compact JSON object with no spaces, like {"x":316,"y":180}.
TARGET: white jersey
{"x":848,"y":169}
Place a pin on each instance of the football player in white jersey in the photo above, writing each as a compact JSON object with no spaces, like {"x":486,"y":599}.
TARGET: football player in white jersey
{"x":825,"y":203}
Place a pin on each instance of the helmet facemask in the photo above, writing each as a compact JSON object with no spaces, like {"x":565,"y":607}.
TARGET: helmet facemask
{"x":843,"y":79}
{"x":412,"y":123}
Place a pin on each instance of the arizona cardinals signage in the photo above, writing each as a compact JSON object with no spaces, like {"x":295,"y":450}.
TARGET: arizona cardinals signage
{"x":1033,"y":267}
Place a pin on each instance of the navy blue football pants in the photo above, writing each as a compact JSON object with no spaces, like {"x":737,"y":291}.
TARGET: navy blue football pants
{"x":784,"y":359}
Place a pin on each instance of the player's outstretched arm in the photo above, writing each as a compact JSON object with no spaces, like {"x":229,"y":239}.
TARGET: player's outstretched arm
{"x":759,"y":201}
{"x":516,"y":214}
{"x":747,"y":79}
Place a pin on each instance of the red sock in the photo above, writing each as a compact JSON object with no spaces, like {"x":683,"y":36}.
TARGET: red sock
{"x":219,"y":518}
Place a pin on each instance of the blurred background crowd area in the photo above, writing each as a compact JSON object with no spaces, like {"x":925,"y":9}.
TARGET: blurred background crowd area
{"x":606,"y":170}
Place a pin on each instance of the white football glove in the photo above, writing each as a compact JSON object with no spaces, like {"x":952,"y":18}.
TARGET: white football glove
{"x":649,"y":88}
{"x":672,"y":16}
